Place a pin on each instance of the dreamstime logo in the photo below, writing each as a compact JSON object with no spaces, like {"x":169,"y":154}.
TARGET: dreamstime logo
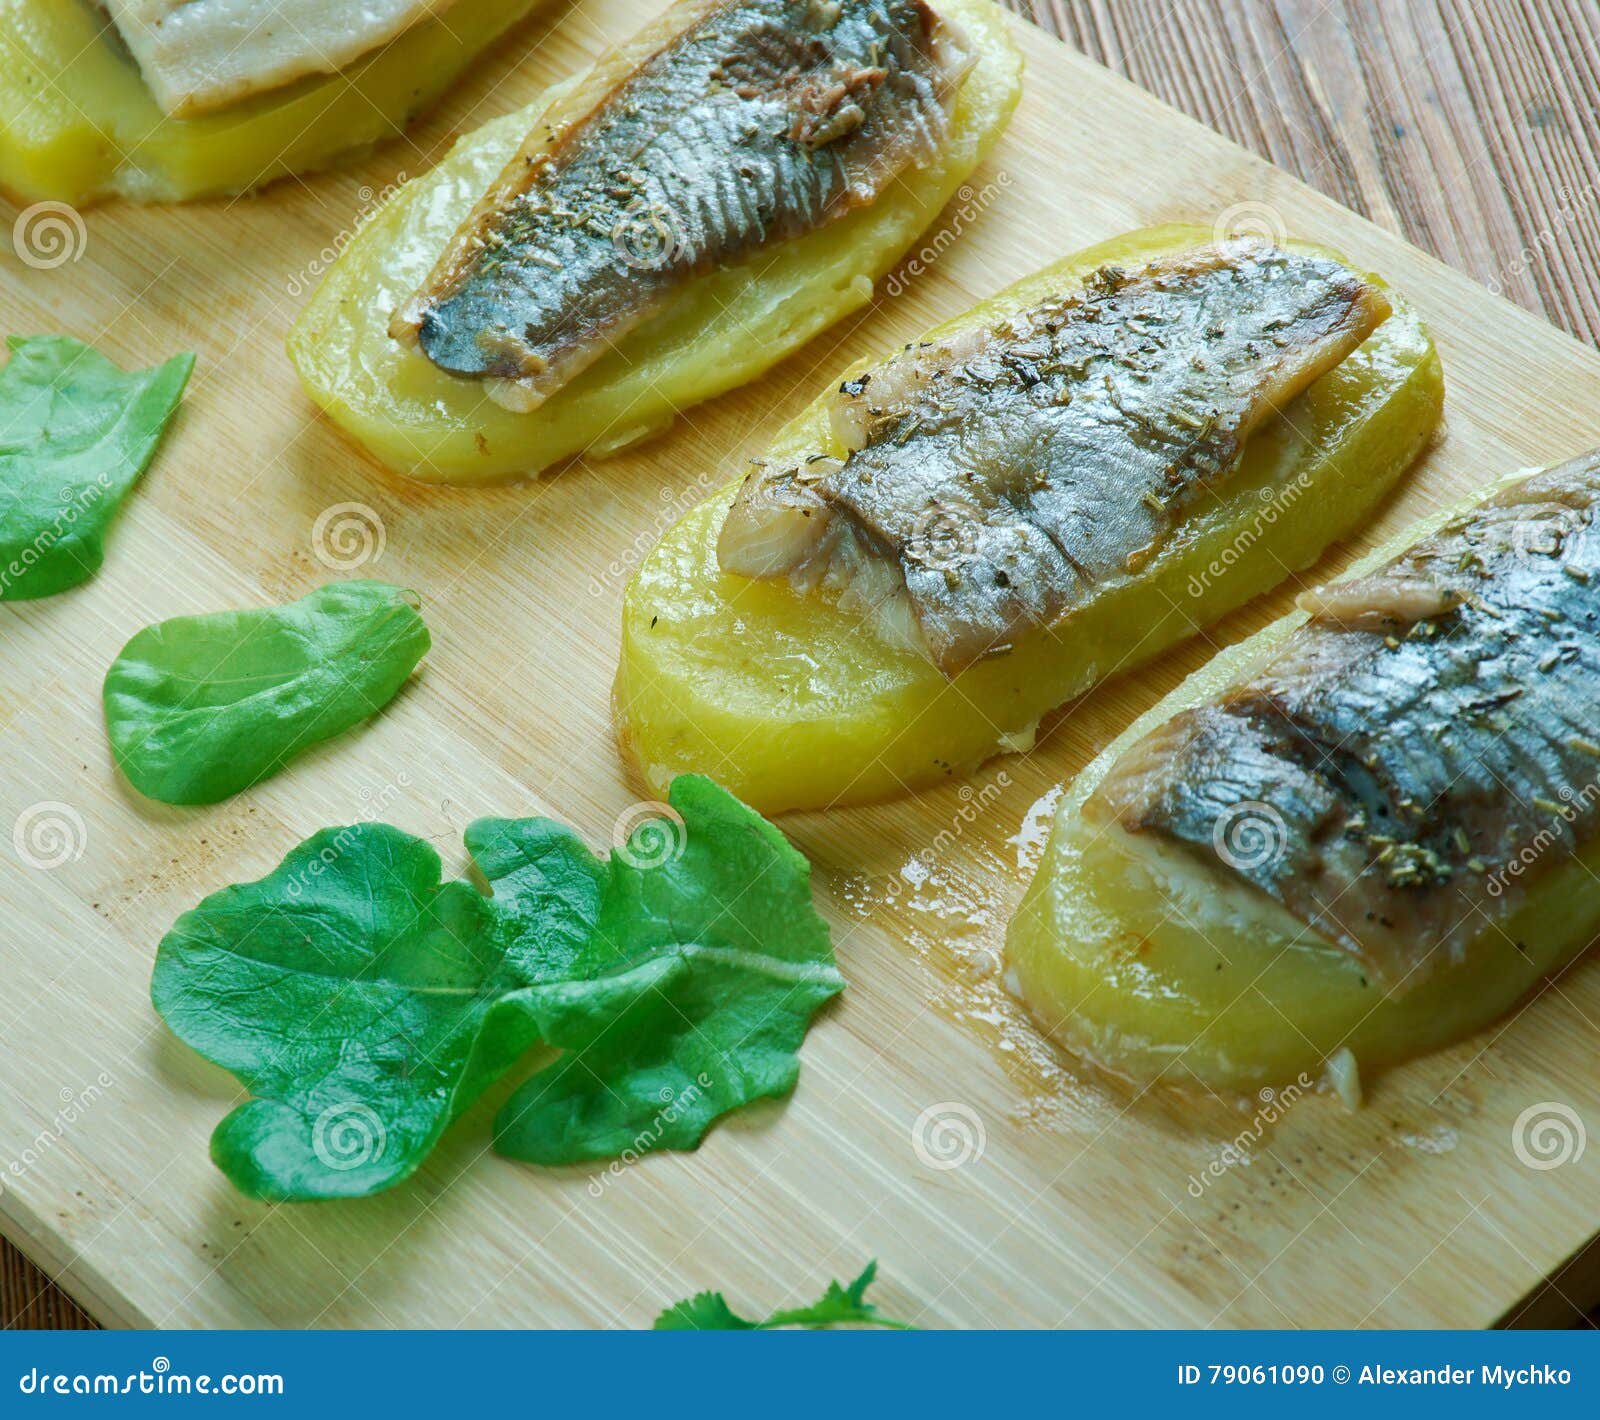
{"x":1249,"y":835}
{"x":1247,"y":221}
{"x":647,"y":236}
{"x":674,"y":504}
{"x":948,"y":1135}
{"x":1240,"y":1149}
{"x":48,"y":235}
{"x":49,"y":835}
{"x":75,"y":502}
{"x":347,"y":536}
{"x":974,"y":202}
{"x":1547,"y":1135}
{"x":649,"y":834}
{"x":1559,"y":829}
{"x":371,"y":199}
{"x":943,"y":537}
{"x":1555,"y":532}
{"x":75,"y":1104}
{"x":377,"y":801}
{"x":1275,"y":501}
{"x":373,"y":803}
{"x":1575,"y":202}
{"x":675,"y":1104}
{"x":975,"y":803}
{"x":348,"y":1136}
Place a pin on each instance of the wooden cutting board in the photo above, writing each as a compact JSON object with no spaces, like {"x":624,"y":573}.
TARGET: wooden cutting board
{"x":932,"y":1129}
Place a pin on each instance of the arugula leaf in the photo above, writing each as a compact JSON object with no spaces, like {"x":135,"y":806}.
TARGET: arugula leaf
{"x":840,"y":1306}
{"x":690,"y":998}
{"x":366,"y":1004}
{"x":201,"y":707}
{"x":75,"y":434}
{"x":705,"y":1311}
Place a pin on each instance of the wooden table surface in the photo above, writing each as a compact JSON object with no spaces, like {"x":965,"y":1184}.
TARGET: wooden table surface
{"x":1469,"y":127}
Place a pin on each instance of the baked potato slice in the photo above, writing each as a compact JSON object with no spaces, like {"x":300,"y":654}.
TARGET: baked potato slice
{"x":421,"y":421}
{"x":795,"y":703}
{"x":78,"y":123}
{"x":1140,"y":956}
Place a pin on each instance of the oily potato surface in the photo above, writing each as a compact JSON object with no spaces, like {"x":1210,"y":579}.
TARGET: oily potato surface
{"x":1150,"y":965}
{"x":77,"y":122}
{"x":722,"y":329}
{"x":794,"y":704}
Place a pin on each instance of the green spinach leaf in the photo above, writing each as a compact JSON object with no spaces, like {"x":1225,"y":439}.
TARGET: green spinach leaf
{"x":75,"y":434}
{"x":366,"y":1004}
{"x":363,"y":1001}
{"x":840,"y":1306}
{"x":691,"y":996}
{"x":201,"y":707}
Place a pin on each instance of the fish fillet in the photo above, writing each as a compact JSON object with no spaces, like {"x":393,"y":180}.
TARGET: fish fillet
{"x":1410,"y":758}
{"x":727,"y":125}
{"x":991,"y":482}
{"x":197,"y":55}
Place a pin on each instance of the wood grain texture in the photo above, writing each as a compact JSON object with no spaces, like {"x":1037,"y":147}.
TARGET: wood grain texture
{"x":1465,"y":128}
{"x":30,"y":1301}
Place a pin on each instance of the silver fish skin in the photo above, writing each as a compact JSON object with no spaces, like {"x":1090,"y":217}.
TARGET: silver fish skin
{"x":752,"y":122}
{"x":1411,"y":759}
{"x":994,"y":481}
{"x":198,"y":56}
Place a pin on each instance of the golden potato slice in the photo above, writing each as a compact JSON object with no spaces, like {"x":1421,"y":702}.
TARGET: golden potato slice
{"x":78,"y":123}
{"x":793,"y":703}
{"x":421,"y":421}
{"x":1152,"y":966}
